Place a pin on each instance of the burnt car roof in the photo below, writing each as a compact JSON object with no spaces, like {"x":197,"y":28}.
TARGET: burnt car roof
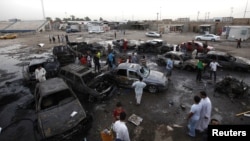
{"x":175,"y":52}
{"x":218,"y":53}
{"x":77,"y":69}
{"x":40,"y":61}
{"x":128,"y":66}
{"x":52,"y":85}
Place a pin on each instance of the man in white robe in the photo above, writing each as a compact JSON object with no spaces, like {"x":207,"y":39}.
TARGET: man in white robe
{"x":139,"y":86}
{"x":40,"y":73}
{"x":205,"y":115}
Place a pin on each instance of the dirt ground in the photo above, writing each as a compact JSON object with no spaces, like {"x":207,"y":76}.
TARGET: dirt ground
{"x":158,"y":111}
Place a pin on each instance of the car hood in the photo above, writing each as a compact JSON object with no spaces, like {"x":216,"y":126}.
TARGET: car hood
{"x":242,"y":60}
{"x":210,"y":48}
{"x":155,"y":77}
{"x":58,"y":120}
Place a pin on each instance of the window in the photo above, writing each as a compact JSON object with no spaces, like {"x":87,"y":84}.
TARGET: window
{"x":133,"y":74}
{"x":243,"y":32}
{"x":56,"y":98}
{"x":122,"y":72}
{"x":70,"y":76}
{"x":222,"y":58}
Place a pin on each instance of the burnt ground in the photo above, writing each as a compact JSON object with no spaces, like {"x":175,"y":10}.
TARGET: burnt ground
{"x":157,"y":110}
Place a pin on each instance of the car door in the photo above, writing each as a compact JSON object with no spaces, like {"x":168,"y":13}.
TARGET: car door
{"x":225,"y":62}
{"x":121,"y":78}
{"x":132,"y":77}
{"x":206,"y":37}
{"x":177,"y":60}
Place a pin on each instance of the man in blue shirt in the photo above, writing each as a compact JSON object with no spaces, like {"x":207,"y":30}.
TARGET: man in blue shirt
{"x":169,"y":68}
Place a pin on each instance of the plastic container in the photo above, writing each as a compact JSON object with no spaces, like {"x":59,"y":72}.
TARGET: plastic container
{"x":107,"y":135}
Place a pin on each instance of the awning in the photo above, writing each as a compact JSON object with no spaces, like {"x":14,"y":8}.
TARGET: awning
{"x":205,"y":25}
{"x":177,"y":25}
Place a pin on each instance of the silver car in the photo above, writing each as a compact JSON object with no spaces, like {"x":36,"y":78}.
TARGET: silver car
{"x":126,"y":73}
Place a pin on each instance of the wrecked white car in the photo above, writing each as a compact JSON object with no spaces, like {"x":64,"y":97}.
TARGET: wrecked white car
{"x":59,"y":112}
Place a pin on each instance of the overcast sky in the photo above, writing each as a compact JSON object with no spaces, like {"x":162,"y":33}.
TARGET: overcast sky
{"x":123,"y":9}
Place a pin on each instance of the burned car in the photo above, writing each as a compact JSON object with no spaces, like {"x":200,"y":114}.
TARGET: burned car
{"x":59,"y":112}
{"x":84,"y":47}
{"x":126,"y":73}
{"x":51,"y":65}
{"x":63,"y":54}
{"x":177,"y":57}
{"x":232,"y":86}
{"x":132,"y":44}
{"x":82,"y":80}
{"x":180,"y":60}
{"x":226,"y":60}
{"x":155,"y":46}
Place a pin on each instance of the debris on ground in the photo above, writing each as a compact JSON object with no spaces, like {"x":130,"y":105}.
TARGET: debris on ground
{"x":135,"y":119}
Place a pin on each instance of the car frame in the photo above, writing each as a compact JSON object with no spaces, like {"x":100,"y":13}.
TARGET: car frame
{"x":151,"y":46}
{"x":59,"y":112}
{"x":126,"y":73}
{"x":64,"y":54}
{"x":83,"y":81}
{"x":199,"y":46}
{"x":207,"y":37}
{"x":51,"y":65}
{"x":226,"y":60}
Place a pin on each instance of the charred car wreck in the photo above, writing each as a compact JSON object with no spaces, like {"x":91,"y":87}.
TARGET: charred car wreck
{"x":232,"y":86}
{"x":59,"y":112}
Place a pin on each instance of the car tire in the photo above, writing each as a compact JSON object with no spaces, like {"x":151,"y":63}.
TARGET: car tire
{"x":152,"y":89}
{"x":213,"y":40}
{"x":198,"y":39}
{"x":189,"y":68}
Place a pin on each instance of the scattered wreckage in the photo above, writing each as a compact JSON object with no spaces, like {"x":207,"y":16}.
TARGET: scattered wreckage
{"x":233,"y":87}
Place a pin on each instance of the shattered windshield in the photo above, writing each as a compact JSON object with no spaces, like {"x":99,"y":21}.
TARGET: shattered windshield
{"x":144,"y":72}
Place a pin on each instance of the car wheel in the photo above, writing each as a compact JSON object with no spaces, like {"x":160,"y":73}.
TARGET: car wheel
{"x":161,"y":62}
{"x":198,"y":39}
{"x":152,"y":89}
{"x":189,"y":68}
{"x":213,"y":40}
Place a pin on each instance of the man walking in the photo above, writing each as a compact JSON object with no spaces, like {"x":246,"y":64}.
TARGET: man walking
{"x":194,"y":116}
{"x":213,"y":67}
{"x":169,"y":68}
{"x":205,"y":115}
{"x":139,"y":86}
{"x":40,"y":73}
{"x":134,"y":58}
{"x":97,"y":63}
{"x":239,"y":43}
{"x":121,"y":129}
{"x":199,"y":70}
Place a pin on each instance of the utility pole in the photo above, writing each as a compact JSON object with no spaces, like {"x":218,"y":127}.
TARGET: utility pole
{"x":160,"y":13}
{"x":198,"y":15}
{"x":157,"y":20}
{"x":245,"y":10}
{"x":231,"y":15}
{"x":43,"y":10}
